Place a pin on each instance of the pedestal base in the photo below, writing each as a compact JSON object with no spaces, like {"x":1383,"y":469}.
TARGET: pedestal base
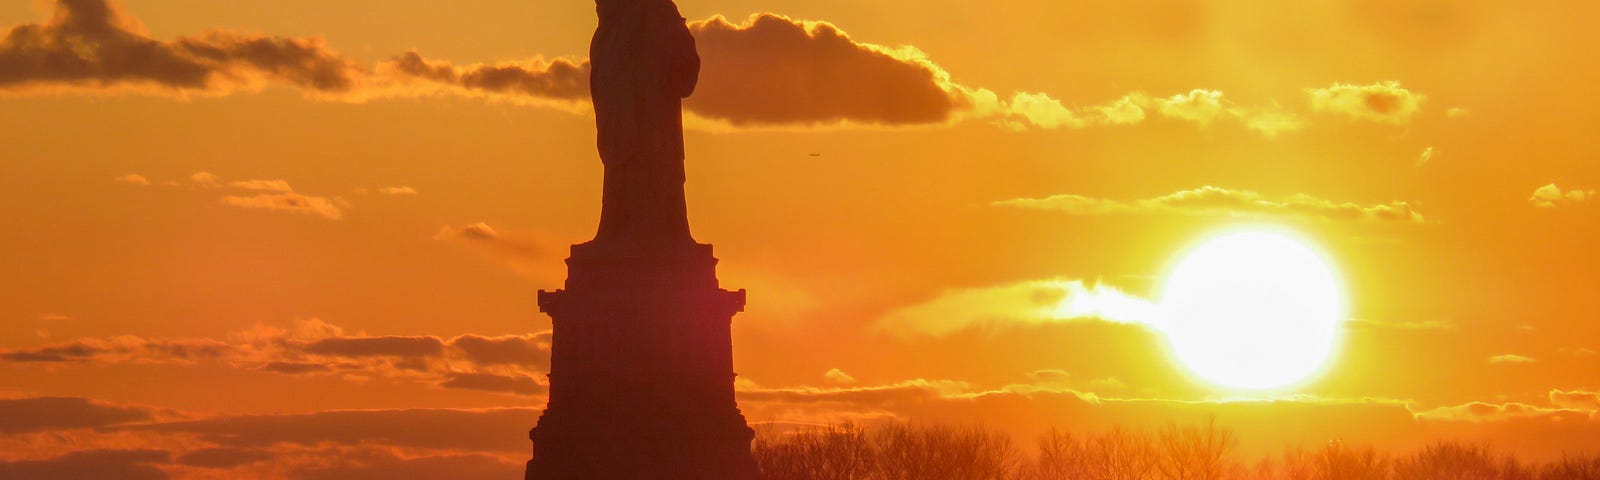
{"x":641,"y":371}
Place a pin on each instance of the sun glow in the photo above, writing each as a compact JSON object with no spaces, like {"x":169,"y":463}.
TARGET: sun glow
{"x":1252,"y":310}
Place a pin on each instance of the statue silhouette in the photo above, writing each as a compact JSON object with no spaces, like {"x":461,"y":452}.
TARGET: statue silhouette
{"x":641,"y":358}
{"x":642,"y":64}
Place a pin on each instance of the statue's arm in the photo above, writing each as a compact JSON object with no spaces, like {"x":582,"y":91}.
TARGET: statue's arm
{"x":685,"y":61}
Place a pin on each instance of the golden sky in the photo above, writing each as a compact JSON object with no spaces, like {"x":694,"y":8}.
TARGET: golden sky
{"x":230,"y":225}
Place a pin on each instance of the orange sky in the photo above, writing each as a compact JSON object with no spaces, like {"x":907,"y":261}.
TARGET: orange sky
{"x":216,"y":209}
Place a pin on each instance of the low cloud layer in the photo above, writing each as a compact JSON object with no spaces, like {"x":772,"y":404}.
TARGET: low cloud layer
{"x":26,"y":415}
{"x":511,"y":364}
{"x":85,"y":464}
{"x":470,"y":444}
{"x":1209,"y":200}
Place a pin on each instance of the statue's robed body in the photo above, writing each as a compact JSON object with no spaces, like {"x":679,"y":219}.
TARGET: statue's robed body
{"x":643,"y":63}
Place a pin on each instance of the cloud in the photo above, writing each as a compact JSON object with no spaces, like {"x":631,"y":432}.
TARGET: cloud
{"x":837,"y":376}
{"x":1576,"y":399}
{"x":121,"y":349}
{"x":1501,"y":412}
{"x":874,"y":396}
{"x":1385,"y":102}
{"x":1209,"y":200}
{"x":24,"y":415}
{"x":1510,"y":359}
{"x":1579,"y":352}
{"x":287,"y":202}
{"x":518,"y":384}
{"x":524,"y":254}
{"x":263,"y":185}
{"x":224,"y":457}
{"x":87,"y":464}
{"x":476,"y":231}
{"x":1551,"y":196}
{"x":316,"y":348}
{"x":1199,"y":106}
{"x":132,"y":179}
{"x":90,"y":45}
{"x":296,"y":368}
{"x":1269,"y":121}
{"x":561,"y":80}
{"x":773,"y":70}
{"x":387,"y":346}
{"x":54,"y":317}
{"x":1428,"y":154}
{"x":205,"y":180}
{"x":1457,"y":112}
{"x":485,"y":430}
{"x":401,"y":190}
{"x":505,"y":350}
{"x":265,"y":194}
{"x":327,"y":444}
{"x":1030,"y":302}
{"x":1049,"y":375}
{"x":1203,"y":107}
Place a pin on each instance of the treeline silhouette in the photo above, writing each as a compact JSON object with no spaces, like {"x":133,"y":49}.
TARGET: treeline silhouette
{"x":905,"y":451}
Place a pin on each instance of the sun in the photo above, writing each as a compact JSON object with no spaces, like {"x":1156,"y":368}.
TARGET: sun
{"x":1254,"y":309}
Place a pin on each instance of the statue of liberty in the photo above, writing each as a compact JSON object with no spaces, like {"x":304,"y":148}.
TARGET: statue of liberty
{"x":643,"y":63}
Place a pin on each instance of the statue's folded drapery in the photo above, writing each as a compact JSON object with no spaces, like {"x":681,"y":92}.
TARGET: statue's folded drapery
{"x":643,"y":63}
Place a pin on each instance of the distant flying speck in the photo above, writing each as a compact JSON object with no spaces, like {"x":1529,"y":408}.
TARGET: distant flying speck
{"x":816,"y":154}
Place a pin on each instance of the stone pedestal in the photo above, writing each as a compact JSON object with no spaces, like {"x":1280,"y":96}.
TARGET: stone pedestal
{"x":641,"y":370}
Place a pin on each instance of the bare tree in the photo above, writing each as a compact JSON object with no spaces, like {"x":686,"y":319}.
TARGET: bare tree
{"x":1449,"y":461}
{"x":1573,"y":467}
{"x":1195,"y":452}
{"x":903,"y":451}
{"x":941,"y":452}
{"x":1061,"y":457}
{"x":1337,"y":461}
{"x":836,"y":452}
{"x":1120,"y":454}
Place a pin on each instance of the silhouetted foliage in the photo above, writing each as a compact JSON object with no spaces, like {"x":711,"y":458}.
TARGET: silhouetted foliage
{"x":892,"y":451}
{"x":901,"y":451}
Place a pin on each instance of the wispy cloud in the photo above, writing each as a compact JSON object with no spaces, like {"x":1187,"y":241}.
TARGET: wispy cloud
{"x":260,"y":194}
{"x":1510,"y":359}
{"x":287,"y":202}
{"x":1023,"y":303}
{"x":132,"y":179}
{"x":1209,"y":200}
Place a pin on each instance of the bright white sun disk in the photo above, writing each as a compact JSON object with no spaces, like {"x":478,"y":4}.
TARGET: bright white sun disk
{"x":1252,"y":310}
